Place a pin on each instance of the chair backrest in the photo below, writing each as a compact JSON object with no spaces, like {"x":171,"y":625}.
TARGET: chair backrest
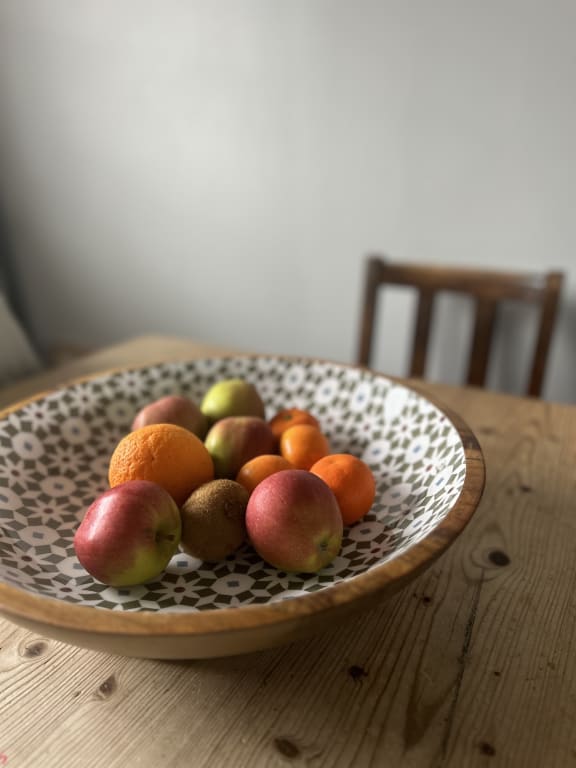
{"x":488,"y":288}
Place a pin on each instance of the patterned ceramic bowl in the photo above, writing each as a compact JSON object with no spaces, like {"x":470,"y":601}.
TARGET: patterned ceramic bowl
{"x":54,"y":453}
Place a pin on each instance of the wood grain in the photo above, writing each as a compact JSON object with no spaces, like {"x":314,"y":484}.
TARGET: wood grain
{"x":472,"y":664}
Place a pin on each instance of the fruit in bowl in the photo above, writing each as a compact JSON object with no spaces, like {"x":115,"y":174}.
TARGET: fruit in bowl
{"x":303,"y":445}
{"x":234,"y":440}
{"x":351,"y":481}
{"x":165,"y":454}
{"x":213,"y":520}
{"x":232,"y":397}
{"x":293,"y":521}
{"x":173,"y":409}
{"x":129,"y":534}
{"x":257,"y":469}
{"x":289,"y":417}
{"x":270,"y":484}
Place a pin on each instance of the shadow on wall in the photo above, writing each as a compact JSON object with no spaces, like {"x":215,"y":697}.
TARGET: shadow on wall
{"x":18,"y":355}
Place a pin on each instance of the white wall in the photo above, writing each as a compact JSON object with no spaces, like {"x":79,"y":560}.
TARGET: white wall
{"x":219,"y":169}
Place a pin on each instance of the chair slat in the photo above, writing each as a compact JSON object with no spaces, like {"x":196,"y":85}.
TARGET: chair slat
{"x":422,"y":332}
{"x":481,"y":342}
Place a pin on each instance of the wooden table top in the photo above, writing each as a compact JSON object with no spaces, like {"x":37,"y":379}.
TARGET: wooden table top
{"x":472,"y":664}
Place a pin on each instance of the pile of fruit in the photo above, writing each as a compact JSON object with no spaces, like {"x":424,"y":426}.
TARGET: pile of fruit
{"x":211,"y":478}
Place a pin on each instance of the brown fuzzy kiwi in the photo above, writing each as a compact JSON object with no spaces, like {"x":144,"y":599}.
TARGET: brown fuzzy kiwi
{"x":213,"y":520}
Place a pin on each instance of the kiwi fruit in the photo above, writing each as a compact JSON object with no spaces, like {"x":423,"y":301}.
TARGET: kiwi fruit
{"x":213,"y":520}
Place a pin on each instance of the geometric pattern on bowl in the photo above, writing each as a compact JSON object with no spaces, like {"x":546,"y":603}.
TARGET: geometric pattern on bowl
{"x":54,"y":454}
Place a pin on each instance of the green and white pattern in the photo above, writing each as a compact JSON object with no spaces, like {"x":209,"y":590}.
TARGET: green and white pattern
{"x":54,"y":455}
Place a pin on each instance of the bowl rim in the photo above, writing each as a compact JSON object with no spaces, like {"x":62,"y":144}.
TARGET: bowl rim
{"x":24,"y":606}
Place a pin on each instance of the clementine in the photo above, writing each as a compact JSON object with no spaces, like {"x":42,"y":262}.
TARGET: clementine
{"x":289,"y":417}
{"x":303,"y":445}
{"x":166,"y":454}
{"x":351,"y":481}
{"x":254,"y":471}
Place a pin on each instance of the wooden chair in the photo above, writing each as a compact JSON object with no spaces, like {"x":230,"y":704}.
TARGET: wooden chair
{"x":488,"y":288}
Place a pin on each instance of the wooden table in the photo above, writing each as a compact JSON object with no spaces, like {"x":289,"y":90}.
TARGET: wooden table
{"x":473,"y":664}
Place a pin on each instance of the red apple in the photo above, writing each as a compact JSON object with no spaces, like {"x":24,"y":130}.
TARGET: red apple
{"x":129,"y":534}
{"x":235,"y":440}
{"x":173,"y":409}
{"x":294,"y":522}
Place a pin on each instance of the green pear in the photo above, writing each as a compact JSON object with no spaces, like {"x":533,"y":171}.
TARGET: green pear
{"x":232,"y":397}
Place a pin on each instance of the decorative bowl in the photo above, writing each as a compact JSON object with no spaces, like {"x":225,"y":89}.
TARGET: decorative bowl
{"x":54,"y":453}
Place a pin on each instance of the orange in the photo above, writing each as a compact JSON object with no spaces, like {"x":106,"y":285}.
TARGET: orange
{"x":303,"y":445}
{"x":289,"y":417}
{"x":166,"y":454}
{"x":255,"y":470}
{"x":351,"y":481}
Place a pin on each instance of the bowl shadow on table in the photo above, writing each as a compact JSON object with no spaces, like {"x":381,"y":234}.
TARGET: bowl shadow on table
{"x":319,"y":674}
{"x":291,"y":695}
{"x":396,"y":664}
{"x":343,"y":649}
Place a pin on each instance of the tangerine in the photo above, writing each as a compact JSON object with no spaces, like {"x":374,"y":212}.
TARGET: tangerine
{"x":303,"y":445}
{"x":289,"y":417}
{"x":166,"y":454}
{"x":351,"y":481}
{"x":255,"y":470}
